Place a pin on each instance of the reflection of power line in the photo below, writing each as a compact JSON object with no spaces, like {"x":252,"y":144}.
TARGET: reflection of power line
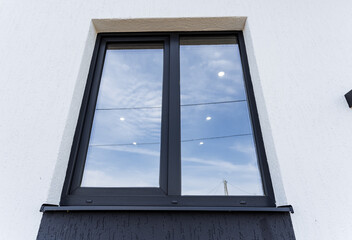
{"x":182,"y":105}
{"x":226,"y":193}
{"x":121,"y":144}
{"x":209,"y":103}
{"x":215,"y":188}
{"x":188,"y":140}
{"x":133,"y":108}
{"x":212,"y":138}
{"x":240,"y":189}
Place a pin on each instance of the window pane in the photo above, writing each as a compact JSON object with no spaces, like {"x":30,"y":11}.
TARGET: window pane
{"x":124,"y":146}
{"x":217,"y":148}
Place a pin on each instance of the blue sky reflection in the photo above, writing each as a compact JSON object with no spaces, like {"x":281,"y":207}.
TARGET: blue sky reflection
{"x":127,"y":116}
{"x":223,"y":146}
{"x":216,"y":134}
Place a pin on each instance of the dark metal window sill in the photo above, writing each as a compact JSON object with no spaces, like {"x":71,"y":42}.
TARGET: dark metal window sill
{"x":56,"y":208}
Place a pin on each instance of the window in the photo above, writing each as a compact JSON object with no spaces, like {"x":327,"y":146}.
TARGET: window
{"x":168,"y":119}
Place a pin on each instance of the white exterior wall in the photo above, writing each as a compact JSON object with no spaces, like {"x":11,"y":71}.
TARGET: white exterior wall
{"x":300,"y":56}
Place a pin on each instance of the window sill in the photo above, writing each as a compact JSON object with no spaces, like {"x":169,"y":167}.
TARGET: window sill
{"x":56,"y":208}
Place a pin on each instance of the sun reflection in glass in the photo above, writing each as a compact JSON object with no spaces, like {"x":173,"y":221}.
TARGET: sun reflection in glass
{"x":221,"y":74}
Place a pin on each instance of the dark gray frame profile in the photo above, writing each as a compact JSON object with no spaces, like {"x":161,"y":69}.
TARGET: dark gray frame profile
{"x":348,"y":97}
{"x":169,"y":193}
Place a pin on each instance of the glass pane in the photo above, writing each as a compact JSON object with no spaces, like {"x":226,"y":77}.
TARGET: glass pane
{"x":124,"y":146}
{"x":217,"y":148}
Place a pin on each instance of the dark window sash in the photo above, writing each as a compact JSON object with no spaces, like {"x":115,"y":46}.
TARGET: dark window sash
{"x":169,"y":192}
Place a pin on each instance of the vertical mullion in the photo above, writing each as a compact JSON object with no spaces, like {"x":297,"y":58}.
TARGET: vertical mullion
{"x":165,"y":118}
{"x":174,"y":166}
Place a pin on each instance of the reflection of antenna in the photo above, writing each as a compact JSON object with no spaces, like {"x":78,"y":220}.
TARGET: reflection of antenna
{"x":226,"y":192}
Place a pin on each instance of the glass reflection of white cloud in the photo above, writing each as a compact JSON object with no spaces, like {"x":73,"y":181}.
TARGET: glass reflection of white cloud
{"x":199,"y":63}
{"x":131,"y":81}
{"x":222,"y":158}
{"x":143,"y":125}
{"x":131,"y":78}
{"x":234,"y":160}
{"x":121,"y":166}
{"x":100,"y":178}
{"x":227,"y":119}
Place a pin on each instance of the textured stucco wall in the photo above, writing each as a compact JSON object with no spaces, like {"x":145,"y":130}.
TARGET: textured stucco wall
{"x":300,"y":60}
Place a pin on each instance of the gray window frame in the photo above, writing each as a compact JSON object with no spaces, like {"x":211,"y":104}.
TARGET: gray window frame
{"x":169,"y":193}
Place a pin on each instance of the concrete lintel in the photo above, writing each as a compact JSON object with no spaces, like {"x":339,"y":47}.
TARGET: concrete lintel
{"x":169,"y":24}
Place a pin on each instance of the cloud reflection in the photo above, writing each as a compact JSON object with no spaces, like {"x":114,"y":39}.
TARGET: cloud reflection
{"x":203,"y":79}
{"x":131,"y":78}
{"x":131,"y":88}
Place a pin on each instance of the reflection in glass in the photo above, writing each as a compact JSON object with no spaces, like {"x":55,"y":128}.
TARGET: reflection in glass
{"x":124,"y":146}
{"x":217,"y":148}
